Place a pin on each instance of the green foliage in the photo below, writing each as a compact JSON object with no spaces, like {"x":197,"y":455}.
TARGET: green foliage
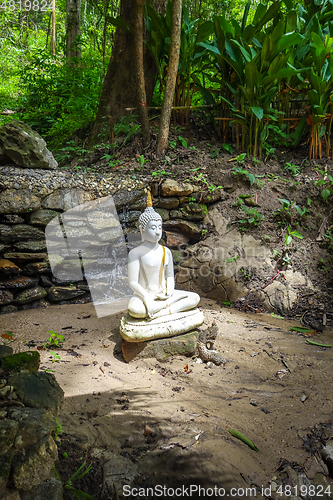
{"x":58,"y":430}
{"x":256,"y":62}
{"x":286,"y":213}
{"x":326,"y":182}
{"x":253,"y":216}
{"x":294,"y":169}
{"x":201,"y":178}
{"x":58,"y":99}
{"x":69,"y":484}
{"x":160,"y":173}
{"x":55,"y":339}
{"x":292,"y":234}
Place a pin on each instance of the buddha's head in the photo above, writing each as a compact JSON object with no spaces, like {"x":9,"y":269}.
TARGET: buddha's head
{"x":150,"y":223}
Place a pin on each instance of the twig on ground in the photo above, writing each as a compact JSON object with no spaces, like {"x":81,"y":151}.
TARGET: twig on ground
{"x":277,"y":274}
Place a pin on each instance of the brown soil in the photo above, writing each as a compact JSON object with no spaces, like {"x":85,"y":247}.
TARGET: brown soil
{"x":274,"y":389}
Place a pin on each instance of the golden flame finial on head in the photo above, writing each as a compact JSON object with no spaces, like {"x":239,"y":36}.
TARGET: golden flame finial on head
{"x":149,"y":200}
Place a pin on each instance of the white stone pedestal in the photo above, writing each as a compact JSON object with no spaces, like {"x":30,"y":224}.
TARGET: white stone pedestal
{"x":140,"y":330}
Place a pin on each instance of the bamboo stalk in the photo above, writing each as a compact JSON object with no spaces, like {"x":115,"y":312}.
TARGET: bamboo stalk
{"x":177,"y":107}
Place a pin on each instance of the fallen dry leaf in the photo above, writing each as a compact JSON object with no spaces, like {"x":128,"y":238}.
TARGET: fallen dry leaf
{"x":7,"y":337}
{"x":147,"y":431}
{"x":92,"y":413}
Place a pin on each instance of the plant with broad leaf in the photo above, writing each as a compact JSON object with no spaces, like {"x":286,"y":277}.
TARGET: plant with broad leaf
{"x":253,"y":216}
{"x":326,"y":182}
{"x":292,"y":234}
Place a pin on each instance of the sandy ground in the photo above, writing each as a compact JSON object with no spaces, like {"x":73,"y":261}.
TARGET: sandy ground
{"x":274,"y":389}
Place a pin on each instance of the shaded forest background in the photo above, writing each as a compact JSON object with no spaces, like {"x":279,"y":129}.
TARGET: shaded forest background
{"x":263,"y":69}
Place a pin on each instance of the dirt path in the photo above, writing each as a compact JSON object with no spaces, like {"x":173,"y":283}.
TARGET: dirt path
{"x":274,"y":389}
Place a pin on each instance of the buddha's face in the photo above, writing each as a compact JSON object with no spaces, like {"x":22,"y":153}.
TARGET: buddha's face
{"x":152,"y":232}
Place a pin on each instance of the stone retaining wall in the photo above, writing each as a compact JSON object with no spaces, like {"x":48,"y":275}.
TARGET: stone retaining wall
{"x":30,"y":402}
{"x":30,"y":199}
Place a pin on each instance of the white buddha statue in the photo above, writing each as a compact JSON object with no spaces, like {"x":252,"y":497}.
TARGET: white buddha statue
{"x":156,"y":308}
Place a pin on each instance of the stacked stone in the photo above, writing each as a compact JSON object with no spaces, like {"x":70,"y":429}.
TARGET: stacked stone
{"x":26,"y":280}
{"x":30,"y":402}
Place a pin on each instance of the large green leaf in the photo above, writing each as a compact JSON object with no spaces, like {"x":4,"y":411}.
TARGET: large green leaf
{"x":259,"y":13}
{"x":299,"y":130}
{"x":288,"y":3}
{"x":272,"y":11}
{"x":222,"y":25}
{"x":251,"y":75}
{"x":118,"y":22}
{"x":259,"y":112}
{"x":245,"y":53}
{"x":208,"y":97}
{"x":291,"y":21}
{"x":209,"y":47}
{"x":246,"y":13}
{"x":289,"y":40}
{"x":318,"y":51}
{"x":204,"y":31}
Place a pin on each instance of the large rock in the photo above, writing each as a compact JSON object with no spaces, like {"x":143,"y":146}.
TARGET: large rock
{"x":7,"y":267}
{"x":8,"y":431}
{"x":110,"y":234}
{"x":38,"y":390}
{"x":161,"y":349}
{"x":5,"y":465}
{"x":9,"y":494}
{"x":18,"y":202}
{"x":57,"y":293}
{"x":31,"y":246}
{"x":51,"y":489}
{"x":36,"y":304}
{"x":168,"y":203}
{"x":182,"y":226}
{"x":171,"y":187}
{"x":42,"y":217}
{"x":163,"y":213}
{"x":25,"y":147}
{"x":193,"y":211}
{"x":125,"y":198}
{"x":327,"y":454}
{"x":31,"y":294}
{"x":65,"y":199}
{"x":18,"y":283}
{"x":20,"y":232}
{"x":102,"y":220}
{"x":174,"y":240}
{"x":37,"y":268}
{"x":11,"y":219}
{"x":27,"y":361}
{"x":6,"y":297}
{"x":129,"y":216}
{"x":5,"y":351}
{"x":33,"y":465}
{"x":34,"y":424}
{"x":9,"y":309}
{"x":20,"y":256}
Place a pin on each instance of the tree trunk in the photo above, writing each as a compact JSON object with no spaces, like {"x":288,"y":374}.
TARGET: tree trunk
{"x":140,"y":75}
{"x":73,"y":11}
{"x":119,"y":89}
{"x":163,"y":132}
{"x":53,"y":30}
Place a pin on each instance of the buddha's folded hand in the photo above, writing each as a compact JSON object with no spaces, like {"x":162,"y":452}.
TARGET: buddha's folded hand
{"x":162,"y":296}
